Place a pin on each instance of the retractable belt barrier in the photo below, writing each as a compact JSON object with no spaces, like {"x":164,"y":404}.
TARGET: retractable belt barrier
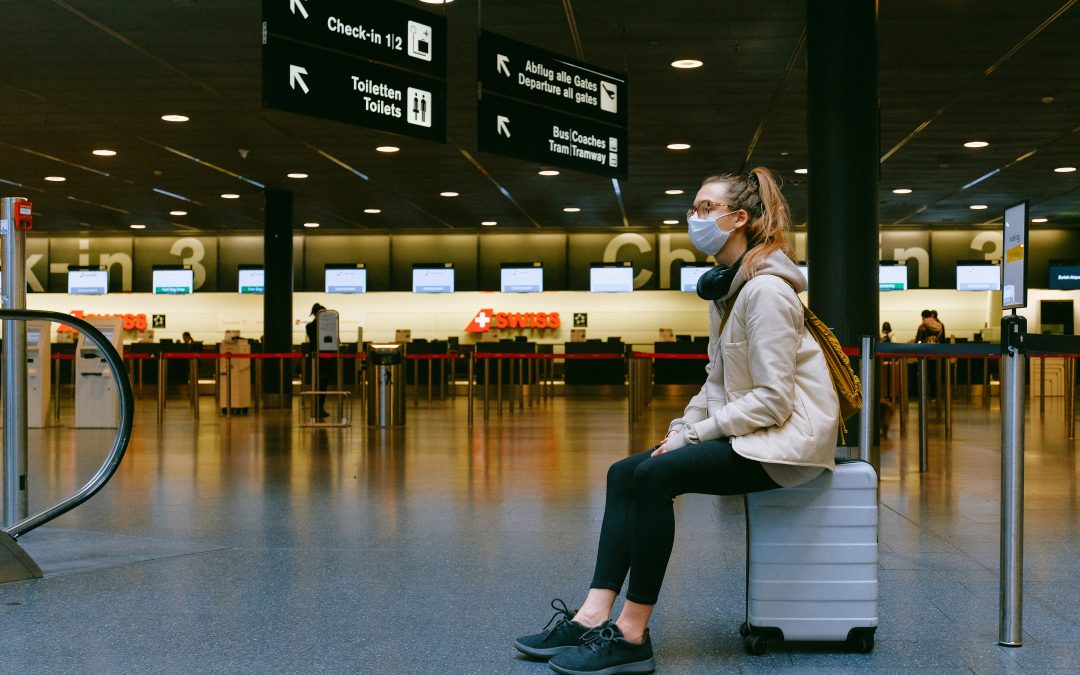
{"x":531,"y":367}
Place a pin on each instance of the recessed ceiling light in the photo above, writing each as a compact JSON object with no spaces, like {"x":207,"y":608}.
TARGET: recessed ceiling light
{"x":571,"y":209}
{"x":976,"y":144}
{"x":902,"y":191}
{"x":138,"y":226}
{"x":784,"y":154}
{"x":678,"y":146}
{"x":296,"y":175}
{"x":548,"y":172}
{"x":230,"y":195}
{"x":489,"y":223}
{"x":673,"y":191}
{"x":978,"y":207}
{"x":671,"y":222}
{"x":311,"y":224}
{"x":55,"y":179}
{"x":387,"y":148}
{"x":802,"y":171}
{"x":104,"y":153}
{"x":448,"y":193}
{"x":436,"y":2}
{"x":1038,"y":220}
{"x":177,"y":213}
{"x":175,"y":118}
{"x":1065,"y":169}
{"x":372,"y":211}
{"x":686,"y":63}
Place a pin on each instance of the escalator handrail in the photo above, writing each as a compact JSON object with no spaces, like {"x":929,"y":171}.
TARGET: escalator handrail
{"x":123,"y":431}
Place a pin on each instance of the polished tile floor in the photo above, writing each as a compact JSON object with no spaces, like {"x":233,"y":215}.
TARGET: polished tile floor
{"x":251,"y":545}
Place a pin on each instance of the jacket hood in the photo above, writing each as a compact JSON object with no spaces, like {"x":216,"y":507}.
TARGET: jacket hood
{"x":776,"y":264}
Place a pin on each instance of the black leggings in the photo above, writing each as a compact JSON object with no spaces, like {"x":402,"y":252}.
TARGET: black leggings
{"x":639,"y":514}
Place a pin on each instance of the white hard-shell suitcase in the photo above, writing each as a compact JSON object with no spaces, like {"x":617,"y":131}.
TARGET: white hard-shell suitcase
{"x":812,"y":561}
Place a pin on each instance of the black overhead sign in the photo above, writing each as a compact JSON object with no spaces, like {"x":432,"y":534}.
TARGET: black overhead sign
{"x":375,"y":63}
{"x":519,"y":130}
{"x":379,"y":30}
{"x":534,"y":75}
{"x":302,"y":79}
{"x":539,"y":106}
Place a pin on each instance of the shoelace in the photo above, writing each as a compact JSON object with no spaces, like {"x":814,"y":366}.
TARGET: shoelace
{"x":565,"y":612}
{"x":598,"y":638}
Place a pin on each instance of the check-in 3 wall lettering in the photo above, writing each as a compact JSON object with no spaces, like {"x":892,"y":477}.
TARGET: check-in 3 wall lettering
{"x":656,"y":257}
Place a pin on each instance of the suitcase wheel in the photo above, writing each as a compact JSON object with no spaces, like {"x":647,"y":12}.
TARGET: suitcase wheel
{"x":755,"y":644}
{"x":861,"y":641}
{"x":744,"y":629}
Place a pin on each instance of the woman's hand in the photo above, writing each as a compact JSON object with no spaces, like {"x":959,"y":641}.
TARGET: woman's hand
{"x":676,"y":439}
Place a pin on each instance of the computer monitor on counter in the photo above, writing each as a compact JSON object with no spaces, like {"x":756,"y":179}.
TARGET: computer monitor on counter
{"x":611,"y":277}
{"x":251,"y":279}
{"x":83,"y":280}
{"x":689,"y":275}
{"x":173,"y":280}
{"x":892,"y":276}
{"x":345,"y":278}
{"x":1064,"y":275}
{"x":978,"y":275}
{"x":521,"y":277}
{"x":433,"y":278}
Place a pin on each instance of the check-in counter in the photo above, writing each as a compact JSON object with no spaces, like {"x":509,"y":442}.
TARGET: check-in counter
{"x":680,"y":371}
{"x":585,"y":372}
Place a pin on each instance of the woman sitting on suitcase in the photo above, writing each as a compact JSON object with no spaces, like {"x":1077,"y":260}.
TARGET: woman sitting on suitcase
{"x":766,"y":417}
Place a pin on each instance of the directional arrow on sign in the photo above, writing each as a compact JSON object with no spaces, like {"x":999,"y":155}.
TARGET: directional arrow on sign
{"x":295,"y":78}
{"x":297,"y":5}
{"x":502,"y":125}
{"x":502,"y":64}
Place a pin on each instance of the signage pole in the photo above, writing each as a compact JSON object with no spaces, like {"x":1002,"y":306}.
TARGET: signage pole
{"x":14,"y":297}
{"x":1012,"y":482}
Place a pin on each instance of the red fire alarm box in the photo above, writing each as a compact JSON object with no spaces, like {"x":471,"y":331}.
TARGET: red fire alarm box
{"x":24,"y":218}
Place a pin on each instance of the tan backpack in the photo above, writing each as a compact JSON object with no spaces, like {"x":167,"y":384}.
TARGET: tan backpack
{"x":845,"y":381}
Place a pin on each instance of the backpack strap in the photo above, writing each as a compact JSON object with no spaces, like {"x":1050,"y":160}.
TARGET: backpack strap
{"x":730,"y":306}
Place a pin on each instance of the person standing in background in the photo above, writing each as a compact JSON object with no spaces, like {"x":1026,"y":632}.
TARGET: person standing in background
{"x":930,"y":330}
{"x":312,"y":330}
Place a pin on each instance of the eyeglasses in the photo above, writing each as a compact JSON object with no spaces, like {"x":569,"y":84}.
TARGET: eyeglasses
{"x":706,"y":208}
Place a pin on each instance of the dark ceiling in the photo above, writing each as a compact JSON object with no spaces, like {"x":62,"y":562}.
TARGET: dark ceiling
{"x":84,"y":74}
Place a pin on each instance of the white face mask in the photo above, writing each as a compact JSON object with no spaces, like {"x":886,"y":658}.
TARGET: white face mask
{"x":706,"y":235}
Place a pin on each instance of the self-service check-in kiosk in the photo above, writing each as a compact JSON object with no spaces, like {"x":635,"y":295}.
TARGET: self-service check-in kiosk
{"x":234,"y":375}
{"x":38,"y":372}
{"x":95,"y":388}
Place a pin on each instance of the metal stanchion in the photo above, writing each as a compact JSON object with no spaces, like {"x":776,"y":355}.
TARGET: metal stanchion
{"x":487,"y":384}
{"x":986,"y":382}
{"x":1042,"y":386}
{"x":903,"y":400}
{"x":257,"y":398}
{"x":866,"y":416}
{"x":923,"y":453}
{"x":470,"y":389}
{"x":193,"y":385}
{"x":947,"y":362}
{"x":430,"y":368}
{"x":1012,"y":483}
{"x":498,"y":386}
{"x":161,"y":388}
{"x":56,"y":390}
{"x":1070,"y":397}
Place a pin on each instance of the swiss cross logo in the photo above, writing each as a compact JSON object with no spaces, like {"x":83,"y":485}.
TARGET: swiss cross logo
{"x":481,"y":322}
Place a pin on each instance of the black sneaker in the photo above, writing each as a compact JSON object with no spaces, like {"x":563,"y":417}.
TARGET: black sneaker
{"x":604,"y":651}
{"x":566,"y":634}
